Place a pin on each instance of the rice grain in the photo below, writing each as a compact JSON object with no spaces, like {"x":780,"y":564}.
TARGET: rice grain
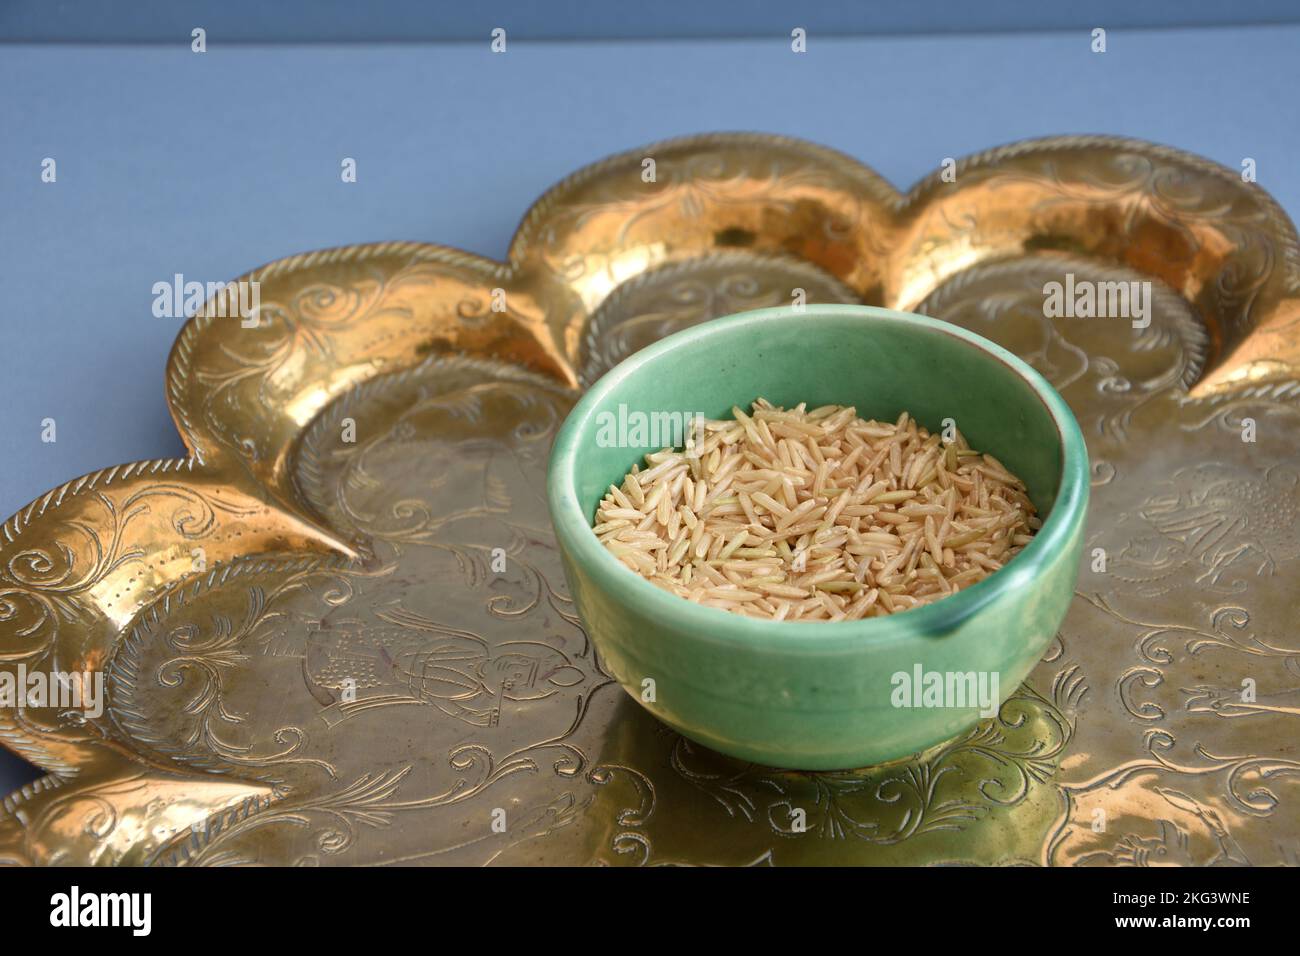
{"x":798,"y":515}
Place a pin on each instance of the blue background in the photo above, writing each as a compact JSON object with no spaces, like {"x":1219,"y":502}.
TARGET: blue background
{"x":298,"y":21}
{"x":208,"y":165}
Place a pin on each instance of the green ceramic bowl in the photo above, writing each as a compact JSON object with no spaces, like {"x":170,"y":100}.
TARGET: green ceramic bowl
{"x":809,"y":695}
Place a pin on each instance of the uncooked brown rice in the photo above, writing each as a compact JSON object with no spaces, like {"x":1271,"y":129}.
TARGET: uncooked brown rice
{"x":816,"y":515}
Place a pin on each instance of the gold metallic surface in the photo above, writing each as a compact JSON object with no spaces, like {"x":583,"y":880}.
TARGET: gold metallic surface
{"x":329,"y":651}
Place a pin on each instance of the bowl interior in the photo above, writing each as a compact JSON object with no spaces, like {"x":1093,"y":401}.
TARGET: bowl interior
{"x":879,"y":361}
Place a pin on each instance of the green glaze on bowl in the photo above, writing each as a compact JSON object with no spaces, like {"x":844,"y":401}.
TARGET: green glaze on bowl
{"x":820,"y":695}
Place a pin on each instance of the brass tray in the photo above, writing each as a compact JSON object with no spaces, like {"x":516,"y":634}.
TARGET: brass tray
{"x":229,"y":598}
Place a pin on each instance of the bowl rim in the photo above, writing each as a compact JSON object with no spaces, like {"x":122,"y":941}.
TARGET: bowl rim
{"x":720,"y":627}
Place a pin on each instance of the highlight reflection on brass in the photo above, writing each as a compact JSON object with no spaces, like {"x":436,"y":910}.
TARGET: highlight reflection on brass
{"x":338,"y":632}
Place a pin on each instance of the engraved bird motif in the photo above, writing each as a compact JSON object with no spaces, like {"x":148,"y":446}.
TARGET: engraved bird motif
{"x":1214,"y":526}
{"x":468,"y":459}
{"x":418,"y":660}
